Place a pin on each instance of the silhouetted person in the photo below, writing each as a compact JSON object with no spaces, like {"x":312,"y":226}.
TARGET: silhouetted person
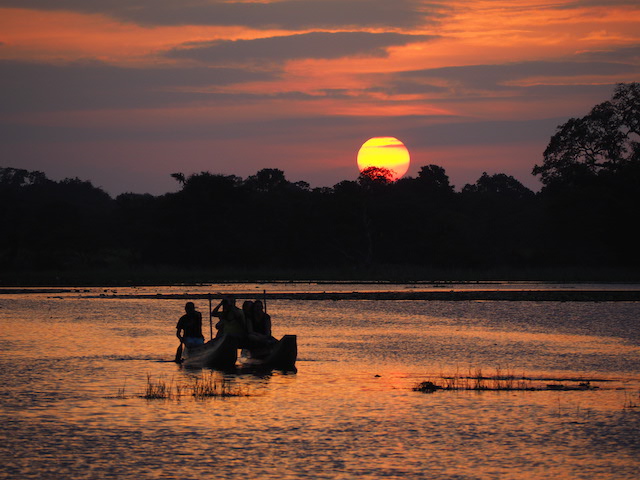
{"x":232,"y":322}
{"x":247,"y":310}
{"x":260,"y":325}
{"x":189,"y":327}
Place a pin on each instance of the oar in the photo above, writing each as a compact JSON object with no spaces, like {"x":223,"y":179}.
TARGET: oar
{"x":178,"y":358}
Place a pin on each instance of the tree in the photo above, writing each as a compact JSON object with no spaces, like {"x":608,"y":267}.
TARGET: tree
{"x":179,"y":177}
{"x":604,"y":141}
{"x":433,"y":178}
{"x":497,"y":223}
{"x":18,"y":177}
{"x":498,"y":185}
{"x":373,"y":177}
{"x":267,"y":180}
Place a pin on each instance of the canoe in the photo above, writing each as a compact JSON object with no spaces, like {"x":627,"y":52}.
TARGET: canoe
{"x":282,"y":355}
{"x":219,"y":353}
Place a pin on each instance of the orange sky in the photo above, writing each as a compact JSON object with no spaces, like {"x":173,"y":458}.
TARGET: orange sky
{"x":125,"y":96}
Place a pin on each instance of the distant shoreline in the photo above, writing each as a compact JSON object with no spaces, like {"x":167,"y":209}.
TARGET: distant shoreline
{"x":378,"y":274}
{"x":473,"y":295}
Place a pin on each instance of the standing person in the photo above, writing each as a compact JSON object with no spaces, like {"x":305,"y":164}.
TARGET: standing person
{"x":232,"y":321}
{"x":189,"y":329}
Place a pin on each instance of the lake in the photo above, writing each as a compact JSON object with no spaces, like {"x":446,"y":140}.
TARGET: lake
{"x":76,"y":363}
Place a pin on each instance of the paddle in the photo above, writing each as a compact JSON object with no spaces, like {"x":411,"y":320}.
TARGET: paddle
{"x":178,"y":358}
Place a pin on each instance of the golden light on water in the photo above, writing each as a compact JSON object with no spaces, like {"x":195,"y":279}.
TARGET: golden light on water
{"x":385,"y":152}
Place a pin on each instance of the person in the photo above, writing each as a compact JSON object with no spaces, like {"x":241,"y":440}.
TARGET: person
{"x":232,"y":321}
{"x":260,"y":325}
{"x":247,"y":310}
{"x":189,"y":327}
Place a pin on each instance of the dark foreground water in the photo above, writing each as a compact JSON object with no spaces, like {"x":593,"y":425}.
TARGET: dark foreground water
{"x":74,"y":369}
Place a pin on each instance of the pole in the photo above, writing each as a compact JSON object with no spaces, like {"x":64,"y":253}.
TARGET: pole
{"x":264,"y":300}
{"x":210,"y":319}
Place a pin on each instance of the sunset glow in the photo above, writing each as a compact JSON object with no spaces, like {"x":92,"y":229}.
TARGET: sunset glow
{"x":292,"y":84}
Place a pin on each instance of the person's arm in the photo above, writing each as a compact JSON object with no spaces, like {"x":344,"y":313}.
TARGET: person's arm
{"x":216,"y":311}
{"x":178,"y":329}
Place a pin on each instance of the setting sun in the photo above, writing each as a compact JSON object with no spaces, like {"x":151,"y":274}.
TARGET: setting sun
{"x":384,"y":152}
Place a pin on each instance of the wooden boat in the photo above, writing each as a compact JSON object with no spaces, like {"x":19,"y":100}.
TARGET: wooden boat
{"x":281,"y":355}
{"x":219,"y":353}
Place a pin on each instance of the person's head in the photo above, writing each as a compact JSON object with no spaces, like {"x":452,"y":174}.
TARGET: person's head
{"x":247,"y":306}
{"x":229,"y":301}
{"x":189,"y":307}
{"x":258,"y":306}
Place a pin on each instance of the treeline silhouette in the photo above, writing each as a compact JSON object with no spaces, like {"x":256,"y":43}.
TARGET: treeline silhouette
{"x":585,"y":215}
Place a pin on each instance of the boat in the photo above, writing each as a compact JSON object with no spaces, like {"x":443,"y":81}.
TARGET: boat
{"x":281,"y":355}
{"x":221,"y":352}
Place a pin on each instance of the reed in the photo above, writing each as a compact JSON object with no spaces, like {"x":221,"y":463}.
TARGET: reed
{"x":121,"y":391}
{"x":205,"y":386}
{"x":502,"y":380}
{"x":631,"y":400}
{"x":157,"y":389}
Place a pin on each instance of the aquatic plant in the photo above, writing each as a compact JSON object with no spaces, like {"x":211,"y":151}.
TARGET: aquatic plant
{"x":157,"y":389}
{"x":427,"y":387}
{"x":208,"y":386}
{"x":205,"y":386}
{"x":505,"y":381}
{"x":120,"y":393}
{"x":631,"y":401}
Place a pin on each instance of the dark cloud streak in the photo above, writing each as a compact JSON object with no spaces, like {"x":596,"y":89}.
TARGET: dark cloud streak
{"x":315,"y":45}
{"x":498,"y":77}
{"x":28,"y":87}
{"x":286,"y":14}
{"x":596,"y":3}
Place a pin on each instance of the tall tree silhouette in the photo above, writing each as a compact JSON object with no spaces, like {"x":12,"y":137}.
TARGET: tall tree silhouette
{"x":591,"y":172}
{"x":604,"y":140}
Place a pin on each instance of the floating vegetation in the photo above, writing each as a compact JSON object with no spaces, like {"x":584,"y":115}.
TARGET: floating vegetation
{"x":205,"y":386}
{"x":501,"y":381}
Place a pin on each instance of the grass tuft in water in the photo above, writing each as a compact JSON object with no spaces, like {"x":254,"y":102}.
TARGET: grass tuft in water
{"x":205,"y":386}
{"x":631,"y":401}
{"x":208,"y":386}
{"x":157,"y":389}
{"x":501,"y":381}
{"x":120,"y":393}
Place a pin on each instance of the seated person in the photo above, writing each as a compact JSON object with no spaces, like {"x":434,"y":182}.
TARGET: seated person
{"x":232,"y":321}
{"x":260,"y":325}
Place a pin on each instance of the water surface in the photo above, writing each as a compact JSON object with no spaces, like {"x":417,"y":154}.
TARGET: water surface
{"x":74,"y":368}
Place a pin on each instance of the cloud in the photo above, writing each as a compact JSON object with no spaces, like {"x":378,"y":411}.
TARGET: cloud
{"x":499,"y":77}
{"x":317,"y":45}
{"x":286,"y":14}
{"x":630,"y":55}
{"x":596,"y":3}
{"x":28,"y":87}
{"x":482,"y":132}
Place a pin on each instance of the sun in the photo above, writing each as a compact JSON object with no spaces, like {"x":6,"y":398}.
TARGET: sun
{"x":384,"y":152}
